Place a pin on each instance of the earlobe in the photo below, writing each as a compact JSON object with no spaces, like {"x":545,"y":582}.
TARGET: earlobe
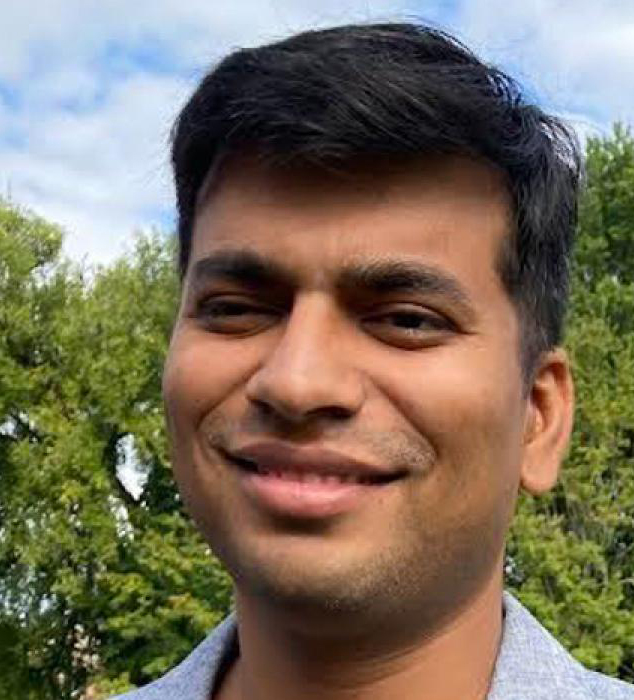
{"x":548,"y":423}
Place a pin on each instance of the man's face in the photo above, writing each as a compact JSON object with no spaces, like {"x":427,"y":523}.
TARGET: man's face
{"x":343,"y":387}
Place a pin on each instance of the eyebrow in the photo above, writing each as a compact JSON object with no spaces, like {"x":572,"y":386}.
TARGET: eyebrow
{"x":378,"y":276}
{"x":384,"y":276}
{"x":244,"y":267}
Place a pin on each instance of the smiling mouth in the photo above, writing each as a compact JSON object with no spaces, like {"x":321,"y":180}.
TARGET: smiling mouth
{"x":307,"y":482}
{"x":309,"y":476}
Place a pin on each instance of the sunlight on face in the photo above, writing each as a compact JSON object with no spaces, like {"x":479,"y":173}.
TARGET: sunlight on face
{"x":363,"y":317}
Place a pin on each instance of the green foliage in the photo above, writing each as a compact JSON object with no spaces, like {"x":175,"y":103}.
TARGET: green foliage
{"x":571,"y":555}
{"x":13,"y":669}
{"x":101,"y":587}
{"x":106,"y":588}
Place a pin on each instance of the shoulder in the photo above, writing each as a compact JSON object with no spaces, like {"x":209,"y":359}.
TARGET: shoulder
{"x":533,"y":665}
{"x":608,"y":688}
{"x":195,"y":677}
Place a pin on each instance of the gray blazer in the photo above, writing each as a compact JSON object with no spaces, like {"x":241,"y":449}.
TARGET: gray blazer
{"x":531,"y":665}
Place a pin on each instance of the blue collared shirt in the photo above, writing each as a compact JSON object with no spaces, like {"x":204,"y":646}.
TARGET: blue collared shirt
{"x":531,"y":665}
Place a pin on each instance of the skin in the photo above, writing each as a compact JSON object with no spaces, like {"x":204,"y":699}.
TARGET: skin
{"x":402,"y":593}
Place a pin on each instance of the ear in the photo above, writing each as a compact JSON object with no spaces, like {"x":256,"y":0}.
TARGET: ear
{"x":548,"y":422}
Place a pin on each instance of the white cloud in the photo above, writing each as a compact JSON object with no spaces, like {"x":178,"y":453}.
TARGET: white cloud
{"x":94,"y":86}
{"x":99,"y":85}
{"x":578,"y":55}
{"x":102,"y":173}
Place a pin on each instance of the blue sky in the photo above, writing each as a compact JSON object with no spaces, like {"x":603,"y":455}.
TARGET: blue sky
{"x":89,"y":89}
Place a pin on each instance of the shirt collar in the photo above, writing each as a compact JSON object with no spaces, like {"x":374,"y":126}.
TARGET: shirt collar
{"x":531,"y":664}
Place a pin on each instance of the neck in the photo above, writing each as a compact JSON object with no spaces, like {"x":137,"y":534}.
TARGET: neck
{"x":455,"y":660}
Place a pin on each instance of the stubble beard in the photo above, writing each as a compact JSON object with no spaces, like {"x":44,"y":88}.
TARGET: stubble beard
{"x":413,"y":583}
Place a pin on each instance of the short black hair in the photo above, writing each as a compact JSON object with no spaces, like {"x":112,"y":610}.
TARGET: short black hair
{"x":326,"y":97}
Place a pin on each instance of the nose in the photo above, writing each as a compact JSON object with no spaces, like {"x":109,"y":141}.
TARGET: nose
{"x":309,"y":371}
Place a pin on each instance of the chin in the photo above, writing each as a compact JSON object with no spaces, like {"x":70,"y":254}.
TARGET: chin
{"x":300,"y":581}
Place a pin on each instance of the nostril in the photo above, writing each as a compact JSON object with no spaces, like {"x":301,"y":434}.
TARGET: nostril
{"x":265,"y":408}
{"x":337,"y":411}
{"x":296,"y":394}
{"x":294,"y":414}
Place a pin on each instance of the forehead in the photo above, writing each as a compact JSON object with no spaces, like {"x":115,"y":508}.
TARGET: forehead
{"x":441,"y":208}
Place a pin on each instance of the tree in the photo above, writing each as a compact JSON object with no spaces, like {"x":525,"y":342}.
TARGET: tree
{"x":572,"y":553}
{"x":100,"y":586}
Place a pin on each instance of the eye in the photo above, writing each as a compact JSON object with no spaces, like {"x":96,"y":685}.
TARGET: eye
{"x":234,"y":316}
{"x":409,"y":327}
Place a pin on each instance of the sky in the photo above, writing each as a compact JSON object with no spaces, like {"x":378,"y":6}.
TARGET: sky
{"x":89,"y":89}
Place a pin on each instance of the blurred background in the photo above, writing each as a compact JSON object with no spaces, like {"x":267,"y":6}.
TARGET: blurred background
{"x":103,"y":582}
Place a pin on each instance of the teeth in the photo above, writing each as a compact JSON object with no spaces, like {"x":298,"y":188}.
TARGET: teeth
{"x":311,"y":477}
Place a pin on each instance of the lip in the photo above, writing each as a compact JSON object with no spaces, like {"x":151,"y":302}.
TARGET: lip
{"x":307,"y":482}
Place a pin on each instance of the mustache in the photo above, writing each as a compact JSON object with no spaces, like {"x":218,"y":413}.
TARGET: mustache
{"x":395,"y":448}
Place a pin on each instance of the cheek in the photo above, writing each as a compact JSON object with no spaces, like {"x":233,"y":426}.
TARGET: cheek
{"x":199,"y":380}
{"x":468,"y":405}
{"x":200,"y":374}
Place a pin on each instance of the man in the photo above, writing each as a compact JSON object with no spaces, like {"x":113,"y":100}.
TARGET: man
{"x":374,"y":239}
